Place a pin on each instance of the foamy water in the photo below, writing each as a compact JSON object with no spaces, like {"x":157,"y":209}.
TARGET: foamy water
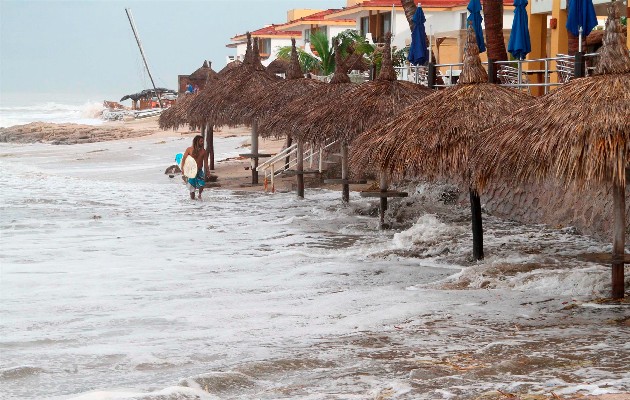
{"x":88,"y":113}
{"x":114,"y":285}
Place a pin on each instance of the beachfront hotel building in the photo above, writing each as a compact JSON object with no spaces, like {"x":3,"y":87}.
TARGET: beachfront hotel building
{"x":446,"y":23}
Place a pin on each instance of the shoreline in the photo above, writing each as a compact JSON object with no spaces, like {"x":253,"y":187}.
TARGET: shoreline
{"x":232,"y":173}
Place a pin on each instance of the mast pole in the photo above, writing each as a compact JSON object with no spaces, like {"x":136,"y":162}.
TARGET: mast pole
{"x":135,"y":33}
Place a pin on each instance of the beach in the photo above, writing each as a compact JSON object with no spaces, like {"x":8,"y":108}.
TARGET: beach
{"x":115,"y":285}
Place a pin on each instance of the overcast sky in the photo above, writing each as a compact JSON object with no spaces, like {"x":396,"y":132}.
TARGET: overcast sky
{"x":74,"y":51}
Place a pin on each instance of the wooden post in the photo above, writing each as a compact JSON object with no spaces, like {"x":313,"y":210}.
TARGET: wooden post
{"x":210,"y":145}
{"x":288,"y":157}
{"x":477,"y":228}
{"x":254,"y":149}
{"x":345,"y":187}
{"x":579,"y":69}
{"x":382,"y":185}
{"x":492,"y":71}
{"x":619,"y":217}
{"x":432,"y":76}
{"x":300,"y":168}
{"x":538,"y":38}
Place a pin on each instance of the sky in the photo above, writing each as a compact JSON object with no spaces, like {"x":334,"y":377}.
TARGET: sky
{"x":79,"y":51}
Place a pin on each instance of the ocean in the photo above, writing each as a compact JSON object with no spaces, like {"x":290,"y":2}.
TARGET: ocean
{"x":87,"y":113}
{"x":115,"y":285}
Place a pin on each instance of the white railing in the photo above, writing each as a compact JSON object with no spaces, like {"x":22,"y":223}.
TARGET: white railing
{"x":509,"y":73}
{"x":270,"y":170}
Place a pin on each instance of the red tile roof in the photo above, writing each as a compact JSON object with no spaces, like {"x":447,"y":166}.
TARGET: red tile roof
{"x":425,"y":4}
{"x":271,"y":30}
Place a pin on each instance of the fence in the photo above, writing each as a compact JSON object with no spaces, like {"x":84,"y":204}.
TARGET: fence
{"x":542,"y":72}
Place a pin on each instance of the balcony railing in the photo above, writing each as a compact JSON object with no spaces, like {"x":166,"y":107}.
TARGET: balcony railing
{"x":544,"y":73}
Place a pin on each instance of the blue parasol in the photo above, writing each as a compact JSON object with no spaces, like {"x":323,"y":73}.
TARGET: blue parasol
{"x":581,"y":14}
{"x":418,"y":52}
{"x":519,"y":45}
{"x":475,"y":18}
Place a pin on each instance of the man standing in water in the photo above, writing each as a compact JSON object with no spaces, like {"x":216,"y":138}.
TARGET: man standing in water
{"x":197,"y":152}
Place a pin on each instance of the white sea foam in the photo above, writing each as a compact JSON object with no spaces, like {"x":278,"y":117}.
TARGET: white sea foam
{"x":88,"y":113}
{"x":116,"y":286}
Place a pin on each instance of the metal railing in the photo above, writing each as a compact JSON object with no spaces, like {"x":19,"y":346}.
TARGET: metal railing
{"x":509,"y":73}
{"x":270,"y":170}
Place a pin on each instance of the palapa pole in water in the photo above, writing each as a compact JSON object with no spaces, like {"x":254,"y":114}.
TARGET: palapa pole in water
{"x":300,"y":168}
{"x":345,"y":186}
{"x":210,"y":145}
{"x":473,"y":72}
{"x":614,"y":59}
{"x":294,"y":72}
{"x":254,"y":135}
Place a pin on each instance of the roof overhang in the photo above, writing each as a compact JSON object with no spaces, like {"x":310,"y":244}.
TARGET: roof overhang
{"x":325,"y":22}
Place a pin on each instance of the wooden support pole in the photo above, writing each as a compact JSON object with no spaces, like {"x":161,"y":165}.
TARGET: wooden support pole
{"x":382,"y":185}
{"x":345,"y":188}
{"x":254,"y":149}
{"x":477,"y":228}
{"x":432,"y":76}
{"x":579,"y":68}
{"x":300,"y":168}
{"x":619,"y":218}
{"x":288,"y":157}
{"x":492,"y":71}
{"x":210,"y":145}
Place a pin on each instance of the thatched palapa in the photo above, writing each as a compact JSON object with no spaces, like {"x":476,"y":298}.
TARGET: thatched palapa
{"x":291,"y":119}
{"x":271,"y":98}
{"x":179,"y":114}
{"x":433,"y":136}
{"x":579,"y":133}
{"x":349,"y":114}
{"x":217,"y":104}
{"x":279,"y":66}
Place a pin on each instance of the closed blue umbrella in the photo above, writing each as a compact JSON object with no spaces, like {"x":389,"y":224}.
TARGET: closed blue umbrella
{"x":581,"y":14}
{"x":475,"y":18}
{"x":519,"y":45}
{"x":418,"y":52}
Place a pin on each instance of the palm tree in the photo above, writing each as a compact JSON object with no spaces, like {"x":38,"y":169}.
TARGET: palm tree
{"x":351,"y":44}
{"x":493,"y":16}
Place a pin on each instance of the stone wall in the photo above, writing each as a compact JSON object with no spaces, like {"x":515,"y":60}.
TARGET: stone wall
{"x":589,"y":211}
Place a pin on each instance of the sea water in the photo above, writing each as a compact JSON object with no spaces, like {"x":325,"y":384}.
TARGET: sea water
{"x":86,"y":113}
{"x":115,"y":285}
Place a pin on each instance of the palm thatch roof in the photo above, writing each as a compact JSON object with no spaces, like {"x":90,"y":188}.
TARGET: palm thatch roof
{"x":270,"y":99}
{"x":349,"y":114}
{"x":290,"y":119}
{"x":216,"y":102}
{"x":432,"y":137}
{"x":579,"y":133}
{"x":203,"y":73}
{"x":179,"y":114}
{"x":278,"y":66}
{"x":230,"y":66}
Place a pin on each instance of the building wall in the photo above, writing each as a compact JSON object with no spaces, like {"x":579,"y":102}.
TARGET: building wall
{"x":276,"y":44}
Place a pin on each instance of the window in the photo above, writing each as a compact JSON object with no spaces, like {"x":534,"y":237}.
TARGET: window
{"x":365,"y":26}
{"x":463,"y":23}
{"x":264,"y":47}
{"x":307,"y":35}
{"x":387,"y":22}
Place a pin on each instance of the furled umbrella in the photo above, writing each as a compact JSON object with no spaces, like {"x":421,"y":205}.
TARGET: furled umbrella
{"x":346,"y":116}
{"x":519,"y":45}
{"x":475,"y":18}
{"x":579,"y":133}
{"x":418,"y":52}
{"x":292,"y":118}
{"x":581,"y":18}
{"x":432,"y":137}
